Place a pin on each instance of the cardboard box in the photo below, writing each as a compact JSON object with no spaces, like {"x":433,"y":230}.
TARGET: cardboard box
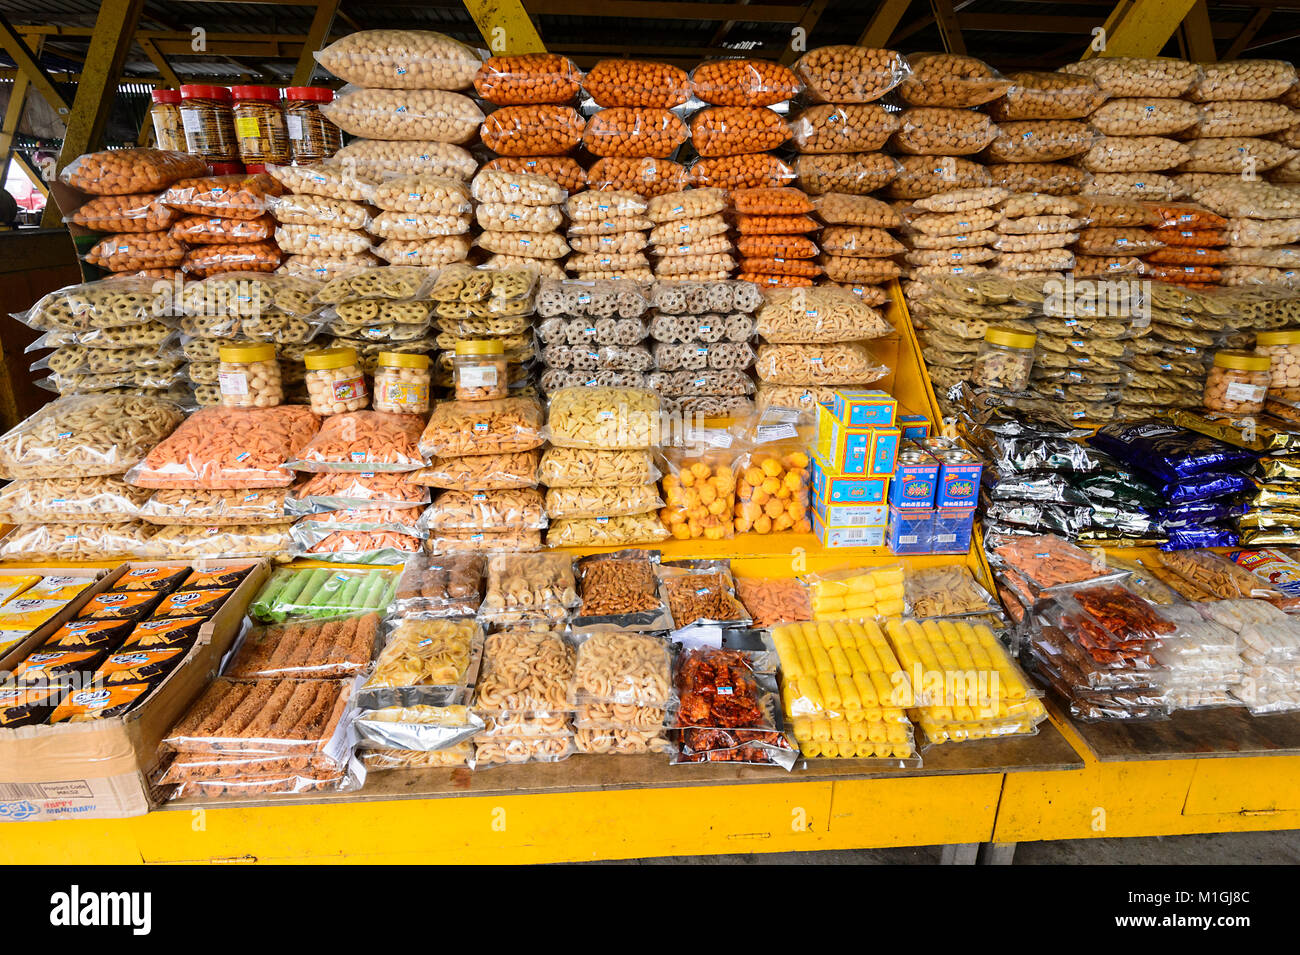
{"x":915,"y":427}
{"x":869,"y":451}
{"x":100,"y":769}
{"x":863,"y":408}
{"x":851,"y":515}
{"x":102,"y":579}
{"x":831,"y":487}
{"x":848,"y":536}
{"x":910,"y":531}
{"x":952,"y":530}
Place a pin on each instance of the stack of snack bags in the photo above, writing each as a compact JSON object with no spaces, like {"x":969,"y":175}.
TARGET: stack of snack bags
{"x":378,"y":308}
{"x":1143,"y":115}
{"x":946,"y":651}
{"x":490,"y":307}
{"x":773,"y":226}
{"x":621,"y":602}
{"x":728,"y":709}
{"x":702,"y":354}
{"x":521,"y":214}
{"x":241,"y":308}
{"x":413,"y":123}
{"x":839,"y":138}
{"x":365,"y":442}
{"x":106,"y":336}
{"x":123,"y":645}
{"x":689,"y":240}
{"x":279,"y":720}
{"x":815,"y":342}
{"x":845,"y":693}
{"x":601,"y":443}
{"x":522,"y":696}
{"x":226,"y":226}
{"x":1116,"y":232}
{"x":126,"y":188}
{"x":483,"y":456}
{"x":592,"y":332}
{"x":1029,"y":157}
{"x":951,"y":233}
{"x":322,"y":216}
{"x":1193,"y":240}
{"x":1202,"y":659}
{"x":1227,"y":143}
{"x":66,"y":463}
{"x":1034,"y":236}
{"x":1095,"y":645}
{"x":535,"y":127}
{"x":400,"y":726}
{"x":424,"y":220}
{"x":863,"y":224}
{"x":1261,"y":222}
{"x":608,"y":232}
{"x":1289,"y":136}
{"x":646,"y":98}
{"x":29,"y":600}
{"x":220,"y":480}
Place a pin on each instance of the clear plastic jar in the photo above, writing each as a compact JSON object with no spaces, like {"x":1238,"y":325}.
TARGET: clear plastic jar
{"x":312,"y":137}
{"x":165,"y":111}
{"x":1005,"y":359}
{"x":479,"y":370}
{"x":259,"y":126}
{"x":1283,"y":349}
{"x":402,"y":383}
{"x":249,"y":376}
{"x":335,"y":381}
{"x":209,"y":123}
{"x":1237,"y":383}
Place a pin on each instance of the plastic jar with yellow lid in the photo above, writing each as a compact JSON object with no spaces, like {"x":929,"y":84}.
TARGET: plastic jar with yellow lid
{"x":1005,"y":359}
{"x":1283,"y":348}
{"x":165,"y":111}
{"x":259,"y":126}
{"x":312,"y":137}
{"x":402,"y":382}
{"x":249,"y":376}
{"x":1237,"y":383}
{"x":209,"y":123}
{"x":335,"y":382}
{"x":479,"y":370}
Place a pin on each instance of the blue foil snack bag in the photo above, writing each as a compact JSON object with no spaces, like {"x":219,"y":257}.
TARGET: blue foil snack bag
{"x":1206,"y":486}
{"x":1168,"y":451}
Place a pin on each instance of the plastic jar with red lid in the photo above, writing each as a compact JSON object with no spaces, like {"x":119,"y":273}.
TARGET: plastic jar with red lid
{"x":260,"y":127}
{"x":165,"y":111}
{"x":209,"y":123}
{"x":312,"y":137}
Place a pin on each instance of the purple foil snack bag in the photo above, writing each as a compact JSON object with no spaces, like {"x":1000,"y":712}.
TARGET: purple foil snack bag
{"x":1185,"y":538}
{"x":1198,"y":512}
{"x":1206,"y":486}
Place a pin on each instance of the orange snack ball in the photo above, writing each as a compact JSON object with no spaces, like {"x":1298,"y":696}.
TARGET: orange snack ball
{"x":634,"y":131}
{"x":772,"y":493}
{"x":529,"y":78}
{"x":539,"y":130}
{"x":637,"y":83}
{"x":744,"y":82}
{"x":699,"y":500}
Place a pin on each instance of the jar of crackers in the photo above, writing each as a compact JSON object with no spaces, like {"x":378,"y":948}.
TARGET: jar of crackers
{"x":479,"y":370}
{"x":209,"y":123}
{"x":249,"y":376}
{"x":312,"y":137}
{"x":1005,"y":359}
{"x":165,"y":111}
{"x":335,"y":382}
{"x":259,"y":126}
{"x":402,"y":383}
{"x":1282,"y":348}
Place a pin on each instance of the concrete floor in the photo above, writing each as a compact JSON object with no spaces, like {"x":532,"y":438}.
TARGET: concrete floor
{"x":1247,"y":848}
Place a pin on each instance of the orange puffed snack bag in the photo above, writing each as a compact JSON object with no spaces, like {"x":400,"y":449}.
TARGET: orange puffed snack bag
{"x":772,"y":492}
{"x":699,"y":495}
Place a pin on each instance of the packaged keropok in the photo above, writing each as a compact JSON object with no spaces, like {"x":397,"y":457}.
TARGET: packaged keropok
{"x":424,"y":661}
{"x":621,"y":590}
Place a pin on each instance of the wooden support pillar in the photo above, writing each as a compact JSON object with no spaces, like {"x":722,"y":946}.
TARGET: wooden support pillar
{"x":805,"y":26}
{"x":26,"y":59}
{"x":884,"y":22}
{"x":109,"y":45}
{"x":317,"y":36}
{"x":14,"y":116}
{"x":946,"y":19}
{"x":1198,"y":34}
{"x":1141,"y":27}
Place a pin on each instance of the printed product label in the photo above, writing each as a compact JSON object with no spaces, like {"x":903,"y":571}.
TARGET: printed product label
{"x":233,"y":383}
{"x":1241,"y":391}
{"x":347,"y":389}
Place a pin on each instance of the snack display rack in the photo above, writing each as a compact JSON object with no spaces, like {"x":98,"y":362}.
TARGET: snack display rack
{"x":1068,"y":781}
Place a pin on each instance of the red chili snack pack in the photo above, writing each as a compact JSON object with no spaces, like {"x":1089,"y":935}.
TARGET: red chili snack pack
{"x":121,"y":605}
{"x":152,"y":577}
{"x":140,"y":665}
{"x":99,"y":702}
{"x":100,"y":635}
{"x":192,"y":603}
{"x":167,"y":632}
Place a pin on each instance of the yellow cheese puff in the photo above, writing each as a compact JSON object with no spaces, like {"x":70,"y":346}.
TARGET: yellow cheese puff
{"x":896,"y":732}
{"x":830,"y":695}
{"x":821,"y":729}
{"x":877,"y":732}
{"x":848,"y":693}
{"x":810,"y":749}
{"x":862,"y":602}
{"x":821,"y":661}
{"x":861,"y":584}
{"x":858,"y":732}
{"x":890,"y":592}
{"x":867,"y":695}
{"x":840,"y":731}
{"x":839,"y":661}
{"x":873,"y":714}
{"x":887,"y":576}
{"x":901,"y":751}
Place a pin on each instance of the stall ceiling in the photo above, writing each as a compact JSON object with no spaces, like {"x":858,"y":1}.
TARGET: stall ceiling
{"x":260,"y":41}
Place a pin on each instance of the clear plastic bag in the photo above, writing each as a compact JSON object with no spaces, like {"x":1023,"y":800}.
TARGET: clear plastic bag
{"x":482,"y":471}
{"x":850,"y":74}
{"x":537,"y":130}
{"x":483,"y":510}
{"x":606,"y":531}
{"x":843,"y":363}
{"x":320,"y":241}
{"x":439,"y":251}
{"x":89,"y":541}
{"x":596,"y":501}
{"x":206,"y":230}
{"x":132,"y":251}
{"x":296,"y":593}
{"x":1036,"y":95}
{"x":1243,"y":80}
{"x":646,"y":177}
{"x":732,"y":130}
{"x":70,"y":501}
{"x":603,"y":418}
{"x":1040,"y":141}
{"x":818,"y":315}
{"x":563,"y":171}
{"x":229,"y":448}
{"x":1163,"y":77}
{"x":372,"y":157}
{"x":483,"y":427}
{"x":923,"y":176}
{"x":617,"y":82}
{"x":699,"y":495}
{"x":1052,"y":178}
{"x":531,"y":245}
{"x":86,"y":436}
{"x":405,"y":114}
{"x":951,"y":80}
{"x":743,"y":82}
{"x":213,"y":508}
{"x":448,"y":586}
{"x":1145,"y":116}
{"x":365,"y":441}
{"x":206,"y":260}
{"x":528,"y":78}
{"x":634,"y":131}
{"x":515,"y":217}
{"x":307,"y":649}
{"x":330,"y":179}
{"x":1235,"y":155}
{"x":319,"y":542}
{"x":525,"y":671}
{"x":529,"y":587}
{"x":749,"y":171}
{"x":132,"y":213}
{"x":624,"y":668}
{"x":401,"y":59}
{"x":833,"y":128}
{"x":938,"y":131}
{"x":701,"y":592}
{"x":1134,"y":153}
{"x":181,"y":541}
{"x":423,"y":193}
{"x":121,"y":172}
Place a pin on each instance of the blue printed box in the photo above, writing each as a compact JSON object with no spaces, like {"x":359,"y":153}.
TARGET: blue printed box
{"x":952,"y":530}
{"x":864,"y":409}
{"x":848,"y":536}
{"x":831,"y":487}
{"x":851,"y":515}
{"x":910,"y":531}
{"x":915,"y":427}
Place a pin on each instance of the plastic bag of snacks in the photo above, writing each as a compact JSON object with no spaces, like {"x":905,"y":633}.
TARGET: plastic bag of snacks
{"x":120,"y":172}
{"x":401,"y":59}
{"x":644,"y":176}
{"x":229,"y":197}
{"x":225,"y":540}
{"x":539,"y":130}
{"x":318,"y":542}
{"x":92,"y":541}
{"x":702,"y":592}
{"x":481,"y":471}
{"x":208,"y":260}
{"x":1047,"y":96}
{"x":374,"y":156}
{"x":406,"y":114}
{"x":449,"y":586}
{"x":699,"y":494}
{"x":529,"y":587}
{"x":70,"y":501}
{"x":132,"y":213}
{"x":564,"y":171}
{"x":528,"y":78}
{"x":850,"y":74}
{"x":951,"y":80}
{"x":486,"y":510}
{"x":626,"y":668}
{"x":212,"y":508}
{"x":774,"y":600}
{"x":331,"y":490}
{"x":817,"y":315}
{"x":132,"y":251}
{"x":606,"y":418}
{"x":363,"y":441}
{"x":606,"y":531}
{"x":637,"y":83}
{"x":330,"y":179}
{"x":842,"y":363}
{"x":499,"y":426}
{"x":85,"y":436}
{"x":586,"y":467}
{"x":229,"y":448}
